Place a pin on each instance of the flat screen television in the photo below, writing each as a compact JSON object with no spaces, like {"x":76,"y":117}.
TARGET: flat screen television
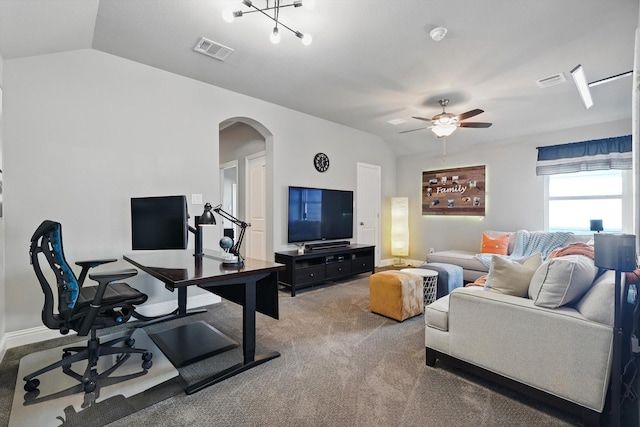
{"x":319,"y":214}
{"x":159,"y":223}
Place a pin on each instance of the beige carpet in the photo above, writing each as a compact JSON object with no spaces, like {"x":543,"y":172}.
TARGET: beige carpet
{"x":340,"y":365}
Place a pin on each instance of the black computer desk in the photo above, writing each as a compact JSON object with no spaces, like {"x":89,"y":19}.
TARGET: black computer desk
{"x":254,"y":286}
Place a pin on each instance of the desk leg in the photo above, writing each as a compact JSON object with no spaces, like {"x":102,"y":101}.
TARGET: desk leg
{"x":248,"y":344}
{"x":182,"y":302}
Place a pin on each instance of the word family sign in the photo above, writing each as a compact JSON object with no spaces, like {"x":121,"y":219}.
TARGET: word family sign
{"x":457,"y":191}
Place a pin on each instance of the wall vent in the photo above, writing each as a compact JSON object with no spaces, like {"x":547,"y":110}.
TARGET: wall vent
{"x":553,"y":80}
{"x":213,"y":49}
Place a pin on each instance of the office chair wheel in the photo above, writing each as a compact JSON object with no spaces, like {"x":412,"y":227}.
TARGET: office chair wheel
{"x":130,"y":342}
{"x":31,"y":385}
{"x":147,"y":364}
{"x":147,"y":356}
{"x":89,"y":386}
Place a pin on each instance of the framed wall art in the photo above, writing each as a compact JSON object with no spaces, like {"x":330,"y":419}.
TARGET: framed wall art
{"x":456,"y":191}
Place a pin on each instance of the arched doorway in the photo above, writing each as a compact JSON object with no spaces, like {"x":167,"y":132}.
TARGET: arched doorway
{"x":243,"y":141}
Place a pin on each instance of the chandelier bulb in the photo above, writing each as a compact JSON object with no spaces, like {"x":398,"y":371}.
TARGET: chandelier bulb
{"x":228,"y":15}
{"x":275,"y":36}
{"x":306,"y":38}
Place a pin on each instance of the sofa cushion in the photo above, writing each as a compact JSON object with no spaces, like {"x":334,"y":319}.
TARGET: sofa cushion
{"x":562,"y":280}
{"x":465,"y":259}
{"x":494,"y":245}
{"x":512,"y":277}
{"x":597,"y":304}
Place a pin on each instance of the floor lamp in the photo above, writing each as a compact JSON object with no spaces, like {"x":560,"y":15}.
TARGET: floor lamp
{"x":616,"y":252}
{"x":400,"y":228}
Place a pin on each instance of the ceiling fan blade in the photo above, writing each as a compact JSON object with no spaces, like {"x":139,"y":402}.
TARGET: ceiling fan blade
{"x":470,"y":114}
{"x":474,"y":125}
{"x":422,"y":118}
{"x":413,"y":130}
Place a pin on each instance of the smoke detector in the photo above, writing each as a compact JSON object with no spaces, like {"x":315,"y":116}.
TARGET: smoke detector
{"x":438,"y":33}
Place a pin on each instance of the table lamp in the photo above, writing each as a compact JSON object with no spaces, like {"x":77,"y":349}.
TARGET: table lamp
{"x":616,"y":252}
{"x":226,"y":243}
{"x":596,"y":225}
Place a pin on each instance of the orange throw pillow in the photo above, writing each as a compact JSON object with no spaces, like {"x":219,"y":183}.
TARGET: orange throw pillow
{"x":494,"y":245}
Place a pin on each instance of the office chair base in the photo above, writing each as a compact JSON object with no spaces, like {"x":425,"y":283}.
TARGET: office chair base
{"x":91,"y":353}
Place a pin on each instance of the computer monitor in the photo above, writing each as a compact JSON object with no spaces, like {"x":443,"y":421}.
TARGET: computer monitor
{"x":159,"y":223}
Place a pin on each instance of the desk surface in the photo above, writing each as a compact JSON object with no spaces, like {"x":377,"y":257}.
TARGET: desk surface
{"x":180,"y":268}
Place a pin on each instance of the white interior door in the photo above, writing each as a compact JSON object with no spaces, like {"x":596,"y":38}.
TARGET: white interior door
{"x":255,"y":236}
{"x":368,"y":206}
{"x":229,"y":196}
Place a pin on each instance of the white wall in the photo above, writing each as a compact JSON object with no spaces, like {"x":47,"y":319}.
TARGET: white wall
{"x":514,"y":194}
{"x":2,"y":239}
{"x":85,"y":131}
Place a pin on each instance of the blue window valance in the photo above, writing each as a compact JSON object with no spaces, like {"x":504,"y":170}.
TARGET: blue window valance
{"x":597,"y":154}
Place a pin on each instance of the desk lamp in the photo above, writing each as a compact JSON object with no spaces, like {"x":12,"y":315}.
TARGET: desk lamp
{"x":226,"y":243}
{"x":616,"y":252}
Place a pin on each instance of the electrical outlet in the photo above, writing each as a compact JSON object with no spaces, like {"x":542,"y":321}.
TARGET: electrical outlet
{"x":431,"y":250}
{"x":196,"y":199}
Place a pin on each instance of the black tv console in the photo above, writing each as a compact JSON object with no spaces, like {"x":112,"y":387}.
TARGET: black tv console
{"x":324,"y":264}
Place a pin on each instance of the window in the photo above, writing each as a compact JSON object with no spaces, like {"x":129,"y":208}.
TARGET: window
{"x":575,"y":198}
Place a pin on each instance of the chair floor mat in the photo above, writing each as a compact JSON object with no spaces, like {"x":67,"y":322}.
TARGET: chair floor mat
{"x":60,"y":399}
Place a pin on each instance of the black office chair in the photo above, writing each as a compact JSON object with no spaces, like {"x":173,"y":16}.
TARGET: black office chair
{"x":83,"y":309}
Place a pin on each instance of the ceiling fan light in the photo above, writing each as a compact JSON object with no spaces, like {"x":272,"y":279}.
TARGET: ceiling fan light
{"x":443,"y":130}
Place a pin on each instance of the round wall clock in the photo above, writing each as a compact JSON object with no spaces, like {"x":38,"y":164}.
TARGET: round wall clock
{"x":321,"y":162}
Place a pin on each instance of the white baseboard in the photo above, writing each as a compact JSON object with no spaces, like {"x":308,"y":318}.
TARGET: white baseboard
{"x":42,"y":333}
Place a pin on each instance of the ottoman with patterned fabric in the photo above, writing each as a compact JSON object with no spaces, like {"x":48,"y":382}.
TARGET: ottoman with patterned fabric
{"x":396,"y":294}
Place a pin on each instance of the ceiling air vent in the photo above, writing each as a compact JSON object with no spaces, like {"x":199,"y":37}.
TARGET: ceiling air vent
{"x":213,"y":49}
{"x":553,"y":80}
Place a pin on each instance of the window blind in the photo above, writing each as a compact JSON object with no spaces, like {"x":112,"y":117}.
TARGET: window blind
{"x":596,"y":154}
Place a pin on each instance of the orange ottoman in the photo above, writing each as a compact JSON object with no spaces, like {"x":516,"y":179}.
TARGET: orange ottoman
{"x":396,"y":294}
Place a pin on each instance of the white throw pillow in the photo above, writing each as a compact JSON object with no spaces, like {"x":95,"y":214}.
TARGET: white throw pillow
{"x":562,"y":280}
{"x":513,"y":277}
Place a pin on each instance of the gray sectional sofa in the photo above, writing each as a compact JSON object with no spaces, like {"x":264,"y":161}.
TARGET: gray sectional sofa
{"x":554,"y":343}
{"x":472,"y":268}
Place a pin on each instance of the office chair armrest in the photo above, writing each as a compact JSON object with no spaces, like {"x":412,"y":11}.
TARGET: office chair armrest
{"x":86,"y":265}
{"x":112,"y":276}
{"x":103,"y":279}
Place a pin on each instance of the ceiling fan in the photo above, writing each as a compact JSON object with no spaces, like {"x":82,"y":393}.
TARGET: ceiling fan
{"x":444,"y":124}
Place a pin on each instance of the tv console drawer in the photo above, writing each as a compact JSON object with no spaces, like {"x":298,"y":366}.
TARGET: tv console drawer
{"x":338,"y":269}
{"x":362,"y":265}
{"x":310,"y":275}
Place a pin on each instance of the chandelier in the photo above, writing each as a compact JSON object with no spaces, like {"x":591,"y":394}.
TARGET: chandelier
{"x":272,"y":11}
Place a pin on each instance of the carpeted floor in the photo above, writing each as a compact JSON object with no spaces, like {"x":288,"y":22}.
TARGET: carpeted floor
{"x":340,"y":365}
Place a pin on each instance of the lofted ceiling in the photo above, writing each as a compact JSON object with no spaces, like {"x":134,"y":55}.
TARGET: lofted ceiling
{"x":371,"y":61}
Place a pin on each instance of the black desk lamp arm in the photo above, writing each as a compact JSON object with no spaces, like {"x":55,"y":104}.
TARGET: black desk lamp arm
{"x":235,"y":250}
